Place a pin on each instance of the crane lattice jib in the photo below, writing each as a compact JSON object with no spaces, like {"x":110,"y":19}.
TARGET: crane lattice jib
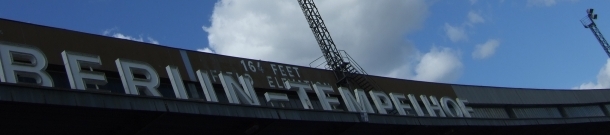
{"x":589,"y":22}
{"x":600,"y":38}
{"x":329,"y":50}
{"x":347,"y":72}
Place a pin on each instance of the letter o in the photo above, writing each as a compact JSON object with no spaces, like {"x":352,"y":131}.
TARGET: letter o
{"x":445,"y":101}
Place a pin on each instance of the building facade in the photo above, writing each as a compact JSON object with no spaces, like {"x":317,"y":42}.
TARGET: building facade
{"x":57,"y":81}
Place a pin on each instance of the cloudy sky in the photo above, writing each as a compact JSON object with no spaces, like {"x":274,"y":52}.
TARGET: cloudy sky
{"x":506,"y":43}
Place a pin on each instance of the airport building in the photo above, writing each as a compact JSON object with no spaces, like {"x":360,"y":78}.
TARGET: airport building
{"x":57,"y":81}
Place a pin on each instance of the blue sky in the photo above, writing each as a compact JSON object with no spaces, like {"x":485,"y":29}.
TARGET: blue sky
{"x":539,"y":45}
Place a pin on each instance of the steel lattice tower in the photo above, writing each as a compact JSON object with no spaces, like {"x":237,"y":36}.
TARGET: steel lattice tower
{"x":346,"y":70}
{"x":589,"y":22}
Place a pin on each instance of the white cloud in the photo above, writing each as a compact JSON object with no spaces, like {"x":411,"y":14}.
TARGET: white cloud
{"x":111,"y":33}
{"x":455,"y":33}
{"x":371,"y":31}
{"x":458,"y":33}
{"x":439,"y":65}
{"x":108,"y":31}
{"x":151,"y":40}
{"x":207,"y":49}
{"x":474,"y":18}
{"x":603,"y":79}
{"x":121,"y":36}
{"x":486,"y":49}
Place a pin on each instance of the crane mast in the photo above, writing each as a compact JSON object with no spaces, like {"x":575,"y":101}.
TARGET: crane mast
{"x":329,"y":50}
{"x":347,"y":72}
{"x":589,"y":22}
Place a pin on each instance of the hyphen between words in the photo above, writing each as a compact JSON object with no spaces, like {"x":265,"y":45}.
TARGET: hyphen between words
{"x":30,"y":62}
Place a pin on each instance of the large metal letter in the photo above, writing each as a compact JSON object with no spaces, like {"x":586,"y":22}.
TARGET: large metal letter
{"x":236,"y":93}
{"x":274,"y":96}
{"x":206,"y":85}
{"x":445,"y":102}
{"x":381,"y":101}
{"x":177,"y":83}
{"x":435,"y":106}
{"x":398,"y":98}
{"x":359,"y":104}
{"x":75,"y":62}
{"x":415,"y":105}
{"x":131,"y":84}
{"x":466,"y":110}
{"x":326,"y":101}
{"x":23,"y":61}
{"x":301,"y":89}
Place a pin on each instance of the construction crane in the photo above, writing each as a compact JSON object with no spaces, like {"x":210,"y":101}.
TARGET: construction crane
{"x":589,"y":22}
{"x":347,"y":71}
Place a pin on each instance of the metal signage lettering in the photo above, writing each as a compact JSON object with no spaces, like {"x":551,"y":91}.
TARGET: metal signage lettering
{"x":140,"y":78}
